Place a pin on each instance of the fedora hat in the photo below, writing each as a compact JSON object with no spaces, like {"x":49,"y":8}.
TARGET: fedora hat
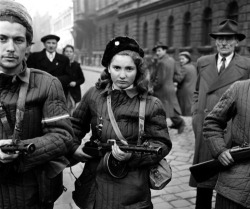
{"x":50,"y":36}
{"x":228,"y":27}
{"x":160,"y":45}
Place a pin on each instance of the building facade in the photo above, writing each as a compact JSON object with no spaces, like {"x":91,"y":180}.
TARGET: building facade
{"x":180,"y":24}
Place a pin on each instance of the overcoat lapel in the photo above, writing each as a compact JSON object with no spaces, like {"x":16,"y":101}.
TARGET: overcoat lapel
{"x":210,"y":72}
{"x":232,"y":73}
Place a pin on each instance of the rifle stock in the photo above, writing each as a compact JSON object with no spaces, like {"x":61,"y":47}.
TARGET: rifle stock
{"x":206,"y":170}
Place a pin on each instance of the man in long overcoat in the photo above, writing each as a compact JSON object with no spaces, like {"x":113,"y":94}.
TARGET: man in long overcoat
{"x":163,"y":86}
{"x":50,"y":61}
{"x":216,"y":73}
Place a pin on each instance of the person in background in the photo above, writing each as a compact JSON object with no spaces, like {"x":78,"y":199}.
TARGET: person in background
{"x":232,"y":185}
{"x":32,"y":111}
{"x":186,"y":83}
{"x":163,"y":86}
{"x":77,"y":78}
{"x":124,"y":79}
{"x":50,"y":61}
{"x":216,"y":73}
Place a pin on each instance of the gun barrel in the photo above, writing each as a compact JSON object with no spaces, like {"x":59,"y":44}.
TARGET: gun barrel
{"x":25,"y":148}
{"x":142,"y":149}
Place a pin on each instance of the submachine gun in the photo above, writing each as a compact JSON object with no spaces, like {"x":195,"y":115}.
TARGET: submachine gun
{"x":203,"y":171}
{"x":117,"y":169}
{"x":20,"y":146}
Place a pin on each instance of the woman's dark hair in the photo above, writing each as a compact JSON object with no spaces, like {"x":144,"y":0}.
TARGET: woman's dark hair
{"x":67,"y":46}
{"x":141,"y":79}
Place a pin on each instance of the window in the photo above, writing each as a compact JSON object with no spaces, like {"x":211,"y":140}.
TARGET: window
{"x":126,"y":32}
{"x":206,"y":26}
{"x":100,"y":39}
{"x":157,"y":31}
{"x":232,"y":11}
{"x":170,"y":30}
{"x":145,"y":35}
{"x":187,"y":29}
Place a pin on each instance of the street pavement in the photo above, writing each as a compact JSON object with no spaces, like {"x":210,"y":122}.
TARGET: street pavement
{"x":177,"y":194}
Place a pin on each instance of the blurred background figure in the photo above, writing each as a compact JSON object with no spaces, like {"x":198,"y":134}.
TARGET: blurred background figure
{"x":186,"y":83}
{"x":164,"y":88}
{"x":76,"y":79}
{"x":50,"y":61}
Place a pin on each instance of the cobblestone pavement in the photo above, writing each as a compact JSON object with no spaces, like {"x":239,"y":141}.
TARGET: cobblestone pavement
{"x":177,"y":194}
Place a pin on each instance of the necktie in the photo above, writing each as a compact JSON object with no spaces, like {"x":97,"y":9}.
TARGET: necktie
{"x":223,"y":66}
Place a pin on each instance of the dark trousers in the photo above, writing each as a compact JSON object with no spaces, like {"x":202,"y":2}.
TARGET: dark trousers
{"x":224,"y":203}
{"x":176,"y":120}
{"x":204,"y":198}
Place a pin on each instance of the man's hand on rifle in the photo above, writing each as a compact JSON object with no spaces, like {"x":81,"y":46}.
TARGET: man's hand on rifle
{"x":119,"y":154}
{"x":7,"y":157}
{"x":80,"y":155}
{"x":225,"y":158}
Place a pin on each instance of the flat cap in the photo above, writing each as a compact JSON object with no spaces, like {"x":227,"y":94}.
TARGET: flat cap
{"x":118,"y":44}
{"x":50,"y":36}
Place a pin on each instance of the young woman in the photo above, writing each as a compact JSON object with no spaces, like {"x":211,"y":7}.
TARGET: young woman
{"x":125,"y":80}
{"x":77,"y":78}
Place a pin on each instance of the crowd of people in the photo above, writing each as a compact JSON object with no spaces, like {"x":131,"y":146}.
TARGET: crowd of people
{"x":41,"y":107}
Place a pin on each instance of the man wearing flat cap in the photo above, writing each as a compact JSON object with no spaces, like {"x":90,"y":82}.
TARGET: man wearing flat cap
{"x":162,"y":79}
{"x":50,"y":61}
{"x":216,"y":73}
{"x":35,"y":130}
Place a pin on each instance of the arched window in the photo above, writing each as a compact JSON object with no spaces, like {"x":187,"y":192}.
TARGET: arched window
{"x":232,"y":11}
{"x":187,"y":29}
{"x":170,"y":30}
{"x":126,"y":32}
{"x":206,"y":26}
{"x":113,"y":30}
{"x":145,"y":35}
{"x":157,"y":31}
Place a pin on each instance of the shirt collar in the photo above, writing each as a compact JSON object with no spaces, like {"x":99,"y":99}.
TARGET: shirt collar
{"x":131,"y":92}
{"x":228,"y":58}
{"x":49,"y":54}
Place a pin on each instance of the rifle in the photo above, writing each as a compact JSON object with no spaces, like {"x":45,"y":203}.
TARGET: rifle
{"x":21,"y":147}
{"x":98,"y":149}
{"x":203,"y":171}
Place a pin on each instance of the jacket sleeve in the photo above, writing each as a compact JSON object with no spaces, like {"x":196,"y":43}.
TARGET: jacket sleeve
{"x":156,"y":133}
{"x":81,"y":118}
{"x":216,"y":121}
{"x":159,"y":76}
{"x":81,"y":78}
{"x":57,"y":138}
{"x":65,"y":76}
{"x":196,"y":92}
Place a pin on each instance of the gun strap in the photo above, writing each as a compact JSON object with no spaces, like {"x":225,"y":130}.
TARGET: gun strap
{"x":141,"y":119}
{"x":19,"y":112}
{"x":114,"y":123}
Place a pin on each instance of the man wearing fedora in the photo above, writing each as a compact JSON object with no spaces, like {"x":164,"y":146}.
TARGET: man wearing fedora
{"x":164,"y":88}
{"x":50,"y":61}
{"x":216,"y":73}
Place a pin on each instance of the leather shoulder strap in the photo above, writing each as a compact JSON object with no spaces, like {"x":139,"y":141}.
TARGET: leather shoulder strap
{"x":141,"y":118}
{"x":114,"y":123}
